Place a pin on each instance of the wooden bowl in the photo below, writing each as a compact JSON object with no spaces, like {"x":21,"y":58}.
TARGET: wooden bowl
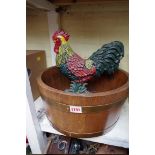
{"x":83,"y":115}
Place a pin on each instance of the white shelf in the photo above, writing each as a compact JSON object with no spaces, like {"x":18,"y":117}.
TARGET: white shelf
{"x":118,"y":136}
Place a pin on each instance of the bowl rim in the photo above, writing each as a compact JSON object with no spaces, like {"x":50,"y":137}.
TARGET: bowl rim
{"x":124,"y":87}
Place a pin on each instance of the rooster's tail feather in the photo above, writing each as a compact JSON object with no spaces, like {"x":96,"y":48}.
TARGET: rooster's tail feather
{"x":107,"y":58}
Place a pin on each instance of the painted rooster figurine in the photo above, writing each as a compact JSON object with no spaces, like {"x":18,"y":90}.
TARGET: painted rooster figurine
{"x":78,"y":70}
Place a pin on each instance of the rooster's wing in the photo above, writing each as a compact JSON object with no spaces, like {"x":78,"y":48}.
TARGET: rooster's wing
{"x":76,"y":66}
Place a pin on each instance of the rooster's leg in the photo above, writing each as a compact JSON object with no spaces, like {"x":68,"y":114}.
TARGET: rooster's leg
{"x":77,"y":88}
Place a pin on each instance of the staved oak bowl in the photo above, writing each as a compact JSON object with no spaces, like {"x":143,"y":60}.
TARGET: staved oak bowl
{"x":83,"y":115}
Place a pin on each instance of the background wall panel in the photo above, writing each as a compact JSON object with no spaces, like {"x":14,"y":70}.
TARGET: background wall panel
{"x":91,"y":26}
{"x":37,"y":33}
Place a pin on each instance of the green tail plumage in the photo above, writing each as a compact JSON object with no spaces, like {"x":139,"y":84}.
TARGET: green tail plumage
{"x":107,"y":58}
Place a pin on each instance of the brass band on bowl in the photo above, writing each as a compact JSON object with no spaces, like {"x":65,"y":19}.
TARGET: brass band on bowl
{"x":85,"y":109}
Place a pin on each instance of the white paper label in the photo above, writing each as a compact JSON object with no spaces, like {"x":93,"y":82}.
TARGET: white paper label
{"x":76,"y":109}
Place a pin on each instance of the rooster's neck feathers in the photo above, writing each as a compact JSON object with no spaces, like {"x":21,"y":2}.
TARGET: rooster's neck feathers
{"x":65,"y":51}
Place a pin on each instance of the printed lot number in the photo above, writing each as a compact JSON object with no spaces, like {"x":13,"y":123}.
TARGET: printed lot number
{"x":76,"y":109}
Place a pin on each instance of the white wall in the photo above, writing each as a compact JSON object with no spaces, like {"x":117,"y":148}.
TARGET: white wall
{"x":91,"y":26}
{"x":37,"y":34}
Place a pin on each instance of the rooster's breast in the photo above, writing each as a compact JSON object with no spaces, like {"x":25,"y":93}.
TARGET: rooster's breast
{"x":66,"y":72}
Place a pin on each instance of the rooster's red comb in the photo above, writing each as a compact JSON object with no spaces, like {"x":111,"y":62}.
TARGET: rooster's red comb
{"x":61,"y":33}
